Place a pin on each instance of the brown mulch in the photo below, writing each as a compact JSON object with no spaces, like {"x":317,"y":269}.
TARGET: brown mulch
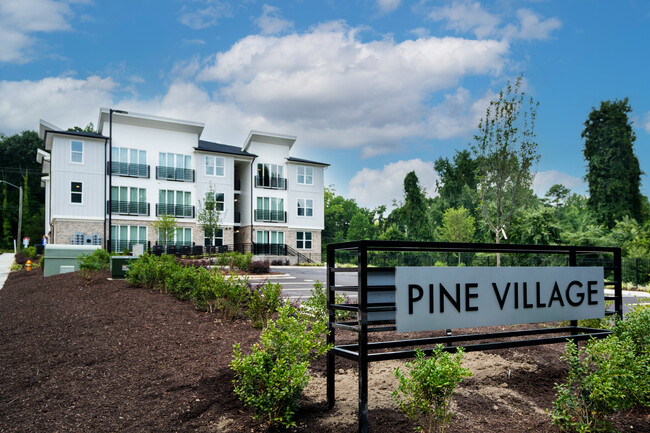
{"x":109,"y":358}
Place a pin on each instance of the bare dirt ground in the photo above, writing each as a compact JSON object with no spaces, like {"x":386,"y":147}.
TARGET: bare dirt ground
{"x":109,"y":357}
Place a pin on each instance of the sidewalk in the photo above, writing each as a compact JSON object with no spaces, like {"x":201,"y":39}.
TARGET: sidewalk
{"x":6,"y":260}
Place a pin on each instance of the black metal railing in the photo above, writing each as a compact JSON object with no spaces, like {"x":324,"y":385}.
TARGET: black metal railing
{"x":177,"y":174}
{"x":302,"y":258}
{"x":176,"y":210}
{"x":270,"y":249}
{"x":119,"y":246}
{"x":127,"y":207}
{"x":275,"y":216}
{"x":237,"y":217}
{"x":127,"y":169}
{"x":270,"y":182}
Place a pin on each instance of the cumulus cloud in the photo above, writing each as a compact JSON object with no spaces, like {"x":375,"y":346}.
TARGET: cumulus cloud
{"x":271,"y":23}
{"x":546,"y":179}
{"x":388,"y":5}
{"x":22,"y":20}
{"x":375,"y":187}
{"x":646,"y":122}
{"x":467,"y":16}
{"x":206,"y":15}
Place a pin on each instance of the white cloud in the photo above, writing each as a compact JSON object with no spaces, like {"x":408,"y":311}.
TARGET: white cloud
{"x":646,"y":122}
{"x":375,"y":187}
{"x":21,"y":20}
{"x":206,"y":16}
{"x":271,"y":23}
{"x":65,"y":102}
{"x":468,"y":16}
{"x":546,"y":179}
{"x":388,"y":5}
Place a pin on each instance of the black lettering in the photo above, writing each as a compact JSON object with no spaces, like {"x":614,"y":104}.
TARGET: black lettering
{"x":581,"y":295}
{"x":430,"y":298}
{"x":413,"y":299}
{"x":516,"y":295}
{"x":445,"y":294}
{"x":590,"y":292}
{"x":501,"y":300}
{"x":556,"y":296}
{"x":525,"y":289}
{"x":538,"y":292}
{"x":469,"y":295}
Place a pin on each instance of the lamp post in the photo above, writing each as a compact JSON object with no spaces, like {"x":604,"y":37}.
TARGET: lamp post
{"x":110,"y":174}
{"x":20,"y":208}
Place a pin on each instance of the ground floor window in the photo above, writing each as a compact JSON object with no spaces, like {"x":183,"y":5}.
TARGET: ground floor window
{"x":303,"y":240}
{"x":270,"y":242}
{"x":124,"y":237}
{"x":218,"y":239}
{"x":182,"y":236}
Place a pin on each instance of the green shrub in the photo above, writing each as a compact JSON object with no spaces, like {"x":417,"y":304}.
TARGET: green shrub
{"x":263,"y":302}
{"x":259,"y":267}
{"x":271,"y":378}
{"x":315,"y":308}
{"x":231,"y":295}
{"x":180,"y":281}
{"x":29,"y":252}
{"x":424,"y":393}
{"x":235,"y":260}
{"x":96,"y":261}
{"x":636,"y":327}
{"x":151,"y":272}
{"x":41,"y":261}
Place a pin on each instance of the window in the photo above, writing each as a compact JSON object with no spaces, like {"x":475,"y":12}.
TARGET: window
{"x":129,"y":162}
{"x":214,"y":198}
{"x":305,"y":175}
{"x":124,"y":237}
{"x":76,"y":151}
{"x":270,"y":209}
{"x":305,"y":207}
{"x":183,"y":236}
{"x":129,"y":200}
{"x":303,"y":240}
{"x":176,"y":203}
{"x":174,"y":166}
{"x":218,"y":239}
{"x":214,"y":166}
{"x":270,"y":176}
{"x":76,"y":192}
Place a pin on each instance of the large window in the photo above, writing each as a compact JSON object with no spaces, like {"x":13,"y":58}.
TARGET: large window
{"x":215,"y":166}
{"x":270,"y":176}
{"x":76,"y":192}
{"x":174,"y":166}
{"x":129,"y":200}
{"x":124,"y":237}
{"x":76,"y":151}
{"x":216,"y":198}
{"x":217,"y":241}
{"x":175,"y":203}
{"x":182,"y":236}
{"x":305,"y":207}
{"x":303,"y":240}
{"x":305,"y":175}
{"x":129,"y":162}
{"x":270,"y":209}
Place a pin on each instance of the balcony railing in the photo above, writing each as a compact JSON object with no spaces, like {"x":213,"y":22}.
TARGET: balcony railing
{"x":270,"y":249}
{"x":270,"y":182}
{"x":127,"y":207}
{"x":274,"y":216}
{"x":119,"y":246}
{"x":177,"y":174}
{"x":126,"y":169}
{"x":176,"y":210}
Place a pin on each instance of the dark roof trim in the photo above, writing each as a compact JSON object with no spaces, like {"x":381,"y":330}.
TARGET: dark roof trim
{"x":78,"y":134}
{"x":306,"y":161}
{"x":208,"y":146}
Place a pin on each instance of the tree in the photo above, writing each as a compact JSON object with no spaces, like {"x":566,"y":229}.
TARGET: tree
{"x":506,"y":151}
{"x":89,"y":128}
{"x":209,"y":216}
{"x":457,"y":226}
{"x":165,"y":226}
{"x":360,"y":227}
{"x":558,"y":195}
{"x":414,"y":210}
{"x":613,"y":171}
{"x":457,"y":183}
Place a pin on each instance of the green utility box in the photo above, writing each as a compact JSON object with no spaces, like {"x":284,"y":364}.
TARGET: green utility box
{"x":119,"y":266}
{"x":60,"y":259}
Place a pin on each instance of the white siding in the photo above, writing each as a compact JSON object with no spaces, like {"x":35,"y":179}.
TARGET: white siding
{"x":300,"y":191}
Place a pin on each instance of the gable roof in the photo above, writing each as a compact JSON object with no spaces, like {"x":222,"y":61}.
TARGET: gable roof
{"x":209,"y":146}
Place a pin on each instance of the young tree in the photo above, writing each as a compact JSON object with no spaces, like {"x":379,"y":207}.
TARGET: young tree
{"x":613,"y":170}
{"x":506,"y":151}
{"x":457,"y":226}
{"x":209,"y":216}
{"x":165,"y":226}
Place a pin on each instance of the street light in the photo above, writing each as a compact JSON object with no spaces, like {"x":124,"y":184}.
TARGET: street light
{"x":20,"y":208}
{"x":110,"y":175}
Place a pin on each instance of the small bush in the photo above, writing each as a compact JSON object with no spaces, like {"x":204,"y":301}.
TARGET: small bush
{"x":20,"y":258}
{"x":259,"y":267}
{"x":231,"y":295}
{"x":263,"y":302}
{"x":424,"y":393}
{"x":41,"y":261}
{"x":271,"y":378}
{"x":16,"y":267}
{"x":96,"y":261}
{"x":315,"y":308}
{"x":636,"y":328}
{"x":29,"y":252}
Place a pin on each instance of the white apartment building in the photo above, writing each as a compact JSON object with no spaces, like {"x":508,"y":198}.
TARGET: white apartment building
{"x":108,"y":188}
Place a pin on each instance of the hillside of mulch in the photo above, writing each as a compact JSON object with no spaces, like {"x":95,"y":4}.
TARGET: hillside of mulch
{"x":109,"y":357}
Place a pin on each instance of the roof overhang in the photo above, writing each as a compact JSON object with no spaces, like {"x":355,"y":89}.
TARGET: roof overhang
{"x":270,"y":138}
{"x":147,"y":120}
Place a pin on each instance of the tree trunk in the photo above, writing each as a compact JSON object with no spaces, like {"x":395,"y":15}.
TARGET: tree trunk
{"x":498,"y":241}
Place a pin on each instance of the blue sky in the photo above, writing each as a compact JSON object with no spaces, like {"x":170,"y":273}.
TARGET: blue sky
{"x":376,"y":88}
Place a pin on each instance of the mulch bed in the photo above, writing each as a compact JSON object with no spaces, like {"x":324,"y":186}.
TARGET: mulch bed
{"x":109,"y":357}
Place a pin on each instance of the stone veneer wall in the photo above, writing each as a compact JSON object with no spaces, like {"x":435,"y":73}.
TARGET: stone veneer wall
{"x":63,"y":230}
{"x":315,"y":252}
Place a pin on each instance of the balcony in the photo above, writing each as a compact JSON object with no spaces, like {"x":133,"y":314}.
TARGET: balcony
{"x":270,"y":249}
{"x":175,"y":210}
{"x":175,"y":174}
{"x":128,"y":170}
{"x":128,"y":207}
{"x":119,"y":246}
{"x":274,"y":216}
{"x":270,"y":183}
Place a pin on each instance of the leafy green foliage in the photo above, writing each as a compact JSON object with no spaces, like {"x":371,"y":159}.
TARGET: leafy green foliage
{"x":263,"y":302}
{"x":414,"y":210}
{"x":209,"y":215}
{"x":424,"y":392}
{"x":271,"y":378}
{"x":165,"y":227}
{"x":98,"y":260}
{"x":314,"y":308}
{"x":235,"y":260}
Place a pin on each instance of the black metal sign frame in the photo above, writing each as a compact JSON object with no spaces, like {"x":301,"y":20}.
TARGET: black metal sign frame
{"x":365,"y":352}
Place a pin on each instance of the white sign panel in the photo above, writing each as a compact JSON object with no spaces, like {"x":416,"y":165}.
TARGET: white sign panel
{"x":463,"y":297}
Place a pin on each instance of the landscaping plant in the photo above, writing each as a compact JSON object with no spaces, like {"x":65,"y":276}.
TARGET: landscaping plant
{"x":315,"y":307}
{"x":425,"y":390}
{"x":263,"y":301}
{"x":271,"y":378}
{"x":91,"y":264}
